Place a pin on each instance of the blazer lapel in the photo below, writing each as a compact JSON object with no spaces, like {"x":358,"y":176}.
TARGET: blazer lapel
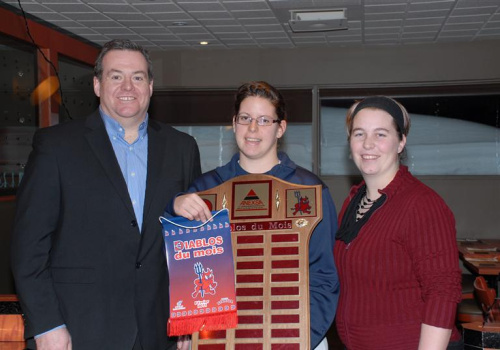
{"x":156,"y":154}
{"x":100,"y":144}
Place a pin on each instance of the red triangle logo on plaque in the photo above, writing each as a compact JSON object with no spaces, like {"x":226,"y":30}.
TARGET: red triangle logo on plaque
{"x":251,"y":202}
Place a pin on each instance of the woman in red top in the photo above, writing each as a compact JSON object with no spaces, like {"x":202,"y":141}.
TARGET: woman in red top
{"x":396,"y":251}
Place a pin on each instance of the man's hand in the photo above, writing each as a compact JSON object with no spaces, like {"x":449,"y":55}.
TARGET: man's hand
{"x":192,"y":207}
{"x":58,"y":339}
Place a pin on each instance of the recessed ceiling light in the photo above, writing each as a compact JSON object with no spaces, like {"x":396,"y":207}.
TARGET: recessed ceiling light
{"x":179,"y":23}
{"x":203,"y":42}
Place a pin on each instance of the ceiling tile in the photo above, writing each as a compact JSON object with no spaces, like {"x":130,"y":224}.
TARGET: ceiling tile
{"x":51,"y":16}
{"x":378,"y":24}
{"x":101,"y":24}
{"x":246,"y":5}
{"x":67,"y":24}
{"x":464,"y":33}
{"x":87,"y":16}
{"x":164,"y":36}
{"x":388,"y":31}
{"x":151,"y":31}
{"x":219,"y":22}
{"x":83,"y":31}
{"x":428,"y":36}
{"x":171,"y":17}
{"x":468,"y":19}
{"x":188,"y":30}
{"x":238,"y":41}
{"x":130,"y":17}
{"x":422,"y":29}
{"x":490,"y":31}
{"x":383,"y":16}
{"x":384,"y":2}
{"x":90,"y":2}
{"x":136,"y":24}
{"x":112,"y":31}
{"x":253,"y":14}
{"x":492,"y":25}
{"x":424,"y":21}
{"x":71,"y":7}
{"x":242,"y":46}
{"x":476,"y":3}
{"x":487,"y":11}
{"x":198,"y":37}
{"x":156,"y":7}
{"x":399,"y":8}
{"x":462,"y":26}
{"x":431,"y":6}
{"x":201,"y":6}
{"x":427,"y":14}
{"x":227,"y":36}
{"x":382,"y":36}
{"x":210,"y":15}
{"x":113,"y":8}
{"x":267,"y":28}
{"x":226,"y":29}
{"x":344,"y":33}
{"x":273,"y":35}
{"x":259,"y":21}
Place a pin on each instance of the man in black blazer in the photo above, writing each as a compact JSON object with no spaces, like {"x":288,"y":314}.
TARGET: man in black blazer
{"x":87,"y":252}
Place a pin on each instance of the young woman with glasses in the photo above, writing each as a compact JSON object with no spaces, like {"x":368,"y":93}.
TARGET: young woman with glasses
{"x":259,"y":121}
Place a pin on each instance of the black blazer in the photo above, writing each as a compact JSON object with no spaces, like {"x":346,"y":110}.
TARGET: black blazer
{"x":78,"y":256}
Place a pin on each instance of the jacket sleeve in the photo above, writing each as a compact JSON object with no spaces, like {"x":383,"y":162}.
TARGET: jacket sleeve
{"x":432,"y":246}
{"x":193,"y":166}
{"x":192,"y":170}
{"x":36,"y":223}
{"x":323,"y":278}
{"x":201,"y":183}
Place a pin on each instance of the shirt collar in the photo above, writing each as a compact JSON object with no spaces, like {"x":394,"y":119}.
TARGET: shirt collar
{"x":114,"y":128}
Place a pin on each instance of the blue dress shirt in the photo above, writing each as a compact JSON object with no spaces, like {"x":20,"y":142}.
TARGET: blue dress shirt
{"x":133,"y":160}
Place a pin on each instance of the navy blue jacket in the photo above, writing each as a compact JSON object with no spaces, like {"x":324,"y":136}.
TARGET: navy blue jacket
{"x":323,"y":279}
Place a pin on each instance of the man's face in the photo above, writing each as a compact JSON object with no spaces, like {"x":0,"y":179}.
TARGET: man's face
{"x":124,"y":89}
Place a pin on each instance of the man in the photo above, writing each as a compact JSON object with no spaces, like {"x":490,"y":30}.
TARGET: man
{"x":87,"y":251}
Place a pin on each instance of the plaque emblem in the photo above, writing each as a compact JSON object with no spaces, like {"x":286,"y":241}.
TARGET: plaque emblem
{"x":210,"y":200}
{"x":301,"y":223}
{"x":301,"y":203}
{"x":251,"y":200}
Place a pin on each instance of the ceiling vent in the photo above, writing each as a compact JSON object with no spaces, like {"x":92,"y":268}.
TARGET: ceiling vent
{"x":317,"y":20}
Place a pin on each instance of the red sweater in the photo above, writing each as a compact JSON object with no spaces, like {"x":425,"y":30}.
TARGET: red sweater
{"x":400,"y":271}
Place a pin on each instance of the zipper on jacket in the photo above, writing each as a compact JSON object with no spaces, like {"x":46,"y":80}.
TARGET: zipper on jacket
{"x":347,"y":300}
{"x":346,"y":328}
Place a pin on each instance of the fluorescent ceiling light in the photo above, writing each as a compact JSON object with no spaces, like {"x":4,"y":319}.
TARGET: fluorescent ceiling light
{"x":317,"y":20}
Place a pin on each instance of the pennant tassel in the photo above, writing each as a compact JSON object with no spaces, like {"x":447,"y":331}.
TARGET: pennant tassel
{"x":192,"y":324}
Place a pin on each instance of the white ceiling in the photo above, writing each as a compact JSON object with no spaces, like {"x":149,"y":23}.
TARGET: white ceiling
{"x":234,"y":24}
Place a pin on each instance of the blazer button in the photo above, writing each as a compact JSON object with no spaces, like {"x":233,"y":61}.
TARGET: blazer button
{"x":133,"y":223}
{"x":138,"y":265}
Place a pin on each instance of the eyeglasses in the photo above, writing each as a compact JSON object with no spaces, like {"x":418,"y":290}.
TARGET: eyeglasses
{"x":261,"y":121}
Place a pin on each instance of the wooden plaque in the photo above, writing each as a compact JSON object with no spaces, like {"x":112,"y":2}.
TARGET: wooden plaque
{"x":271,"y":223}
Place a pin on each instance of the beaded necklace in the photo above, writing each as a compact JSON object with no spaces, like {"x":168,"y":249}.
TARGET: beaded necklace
{"x":364,"y":206}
